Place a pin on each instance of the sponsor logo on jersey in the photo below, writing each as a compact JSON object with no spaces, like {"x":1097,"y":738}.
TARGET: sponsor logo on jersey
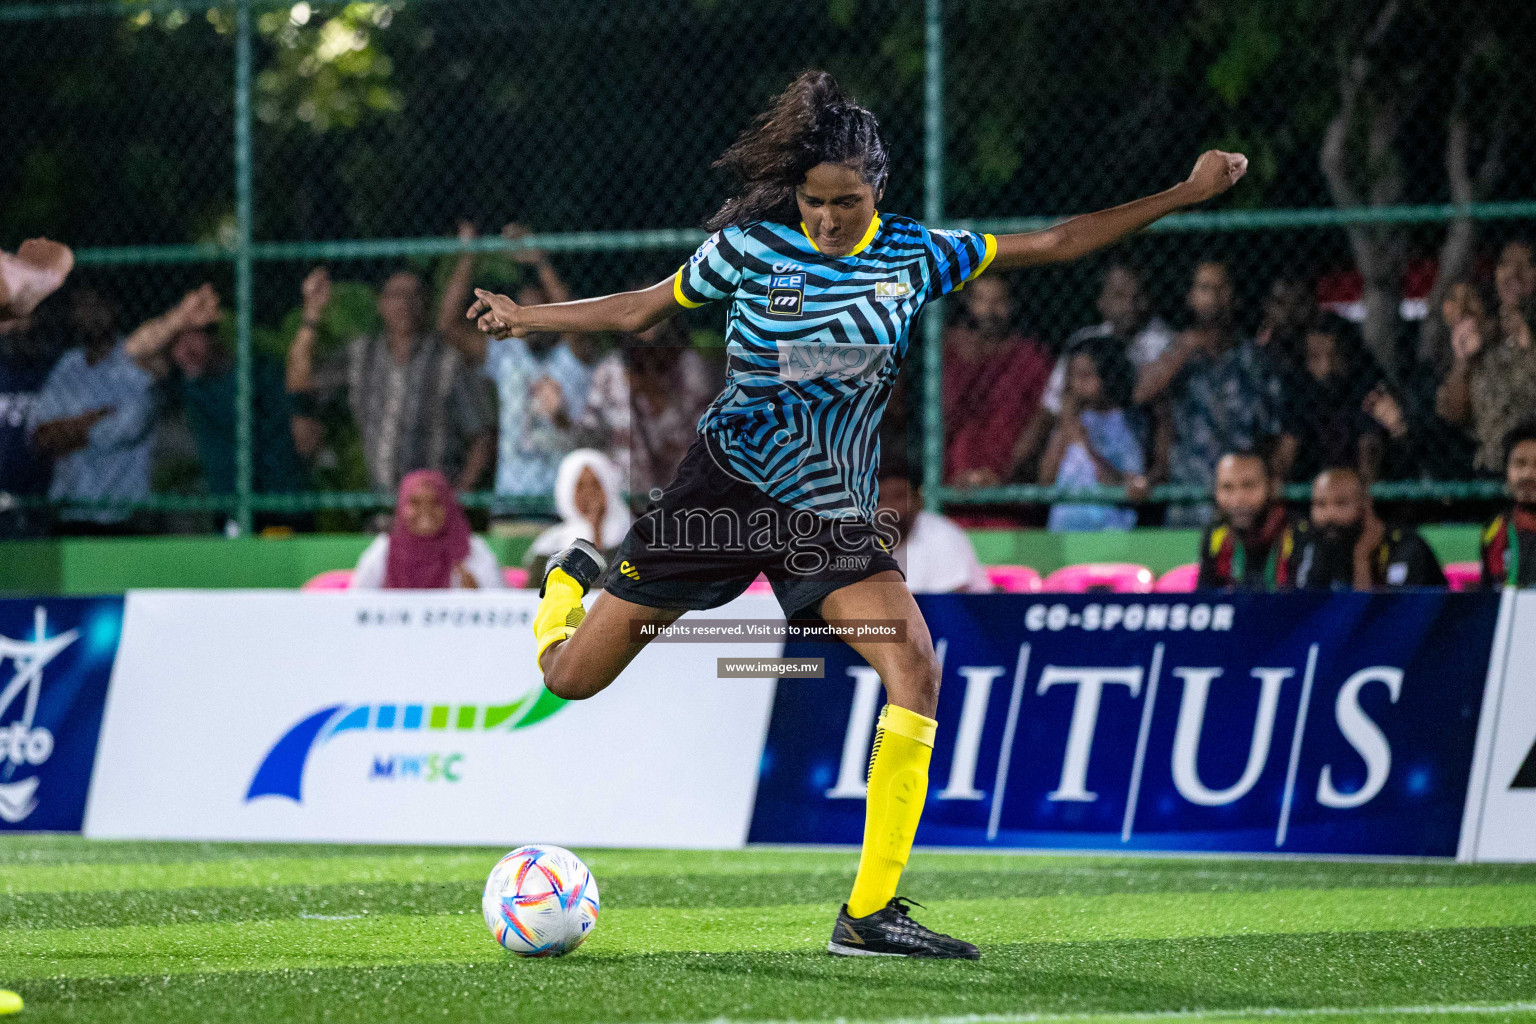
{"x":814,"y":359}
{"x":786,"y":294}
{"x":891,"y":291}
{"x":710,"y":244}
{"x":625,"y":569}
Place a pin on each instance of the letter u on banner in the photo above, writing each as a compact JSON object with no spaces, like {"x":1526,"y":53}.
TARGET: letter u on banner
{"x":1186,"y":738}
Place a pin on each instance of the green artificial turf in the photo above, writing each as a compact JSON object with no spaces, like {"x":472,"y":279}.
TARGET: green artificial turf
{"x":245,"y":932}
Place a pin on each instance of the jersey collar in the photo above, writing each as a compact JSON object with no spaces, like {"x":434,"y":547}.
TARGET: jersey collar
{"x":869,"y":236}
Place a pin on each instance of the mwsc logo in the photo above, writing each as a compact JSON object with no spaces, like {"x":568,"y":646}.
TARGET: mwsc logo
{"x":281,"y":772}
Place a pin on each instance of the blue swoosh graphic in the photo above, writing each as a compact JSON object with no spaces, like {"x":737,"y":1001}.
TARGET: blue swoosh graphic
{"x":282,"y":770}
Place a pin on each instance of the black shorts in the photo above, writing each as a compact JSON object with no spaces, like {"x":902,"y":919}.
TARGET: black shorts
{"x":708,"y":535}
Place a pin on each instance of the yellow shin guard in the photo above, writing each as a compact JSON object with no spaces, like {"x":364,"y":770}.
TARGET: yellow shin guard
{"x":898,"y":784}
{"x":560,"y":612}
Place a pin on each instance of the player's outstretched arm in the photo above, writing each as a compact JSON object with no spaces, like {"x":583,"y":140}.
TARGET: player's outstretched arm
{"x":1214,"y":173}
{"x":628,"y":312}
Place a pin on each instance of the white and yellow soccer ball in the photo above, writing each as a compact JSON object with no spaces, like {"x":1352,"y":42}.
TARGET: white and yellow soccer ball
{"x":540,"y":901}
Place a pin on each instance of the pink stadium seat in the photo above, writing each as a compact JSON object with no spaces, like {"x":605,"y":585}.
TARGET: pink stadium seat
{"x":1178,"y":580}
{"x":760,"y":585}
{"x":332,"y":579}
{"x":1117,"y":577}
{"x":515,"y":577}
{"x":1014,"y":579}
{"x":1464,"y":575}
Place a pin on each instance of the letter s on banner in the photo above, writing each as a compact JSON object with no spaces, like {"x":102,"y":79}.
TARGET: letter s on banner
{"x":1364,"y":735}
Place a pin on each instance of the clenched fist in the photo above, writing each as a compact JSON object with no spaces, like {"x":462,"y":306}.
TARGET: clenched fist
{"x":1215,"y":172}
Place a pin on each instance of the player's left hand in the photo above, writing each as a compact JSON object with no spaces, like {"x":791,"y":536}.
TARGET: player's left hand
{"x":1215,"y":172}
{"x":496,"y":315}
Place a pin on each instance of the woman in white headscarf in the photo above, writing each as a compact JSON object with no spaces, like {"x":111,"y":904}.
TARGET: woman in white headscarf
{"x":590,"y":500}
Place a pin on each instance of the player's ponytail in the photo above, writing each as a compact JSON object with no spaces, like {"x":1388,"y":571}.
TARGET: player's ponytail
{"x":812,"y":122}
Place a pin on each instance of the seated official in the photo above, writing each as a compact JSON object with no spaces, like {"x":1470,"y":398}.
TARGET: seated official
{"x":1509,"y":542}
{"x":429,"y":546}
{"x":589,"y":495}
{"x":1346,"y":547}
{"x":1249,"y":546}
{"x":934,"y":553}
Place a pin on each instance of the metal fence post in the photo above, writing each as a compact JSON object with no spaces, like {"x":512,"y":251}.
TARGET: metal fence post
{"x":933,"y":212}
{"x":243,"y":398}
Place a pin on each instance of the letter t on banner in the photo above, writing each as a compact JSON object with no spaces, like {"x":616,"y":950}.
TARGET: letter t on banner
{"x":1090,"y":684}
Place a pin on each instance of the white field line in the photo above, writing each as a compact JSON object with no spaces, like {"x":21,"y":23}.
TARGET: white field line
{"x":1154,"y":1016}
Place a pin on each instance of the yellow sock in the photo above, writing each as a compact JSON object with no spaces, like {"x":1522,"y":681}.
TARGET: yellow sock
{"x":559,"y":613}
{"x":898,"y":784}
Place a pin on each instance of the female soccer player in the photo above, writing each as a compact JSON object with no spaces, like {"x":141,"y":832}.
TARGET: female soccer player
{"x":823,"y":291}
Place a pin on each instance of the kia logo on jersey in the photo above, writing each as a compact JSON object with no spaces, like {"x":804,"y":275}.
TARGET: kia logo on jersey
{"x":786,"y":294}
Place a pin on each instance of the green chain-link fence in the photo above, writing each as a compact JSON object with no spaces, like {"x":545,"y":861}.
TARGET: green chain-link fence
{"x":245,"y":143}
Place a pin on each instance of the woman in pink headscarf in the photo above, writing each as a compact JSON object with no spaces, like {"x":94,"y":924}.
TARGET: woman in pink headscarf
{"x":429,"y":546}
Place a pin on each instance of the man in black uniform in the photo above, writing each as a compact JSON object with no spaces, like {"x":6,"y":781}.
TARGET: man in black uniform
{"x":1509,"y":542}
{"x":1249,"y":546}
{"x":1346,"y":547}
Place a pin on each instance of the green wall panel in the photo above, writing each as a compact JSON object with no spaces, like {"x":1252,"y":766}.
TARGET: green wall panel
{"x":112,"y":566}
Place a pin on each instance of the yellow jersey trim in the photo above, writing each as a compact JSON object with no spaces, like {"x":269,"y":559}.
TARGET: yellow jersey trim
{"x":677,"y":291}
{"x":869,"y":236}
{"x":986,"y":261}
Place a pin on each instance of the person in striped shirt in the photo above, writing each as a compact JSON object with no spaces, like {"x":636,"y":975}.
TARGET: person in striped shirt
{"x":823,"y":290}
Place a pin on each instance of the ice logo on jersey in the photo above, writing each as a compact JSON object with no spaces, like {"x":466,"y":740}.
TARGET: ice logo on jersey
{"x":821,"y":360}
{"x":21,"y":743}
{"x":786,"y":294}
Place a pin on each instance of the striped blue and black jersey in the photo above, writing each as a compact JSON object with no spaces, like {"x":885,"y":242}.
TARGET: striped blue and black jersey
{"x":813,"y":346}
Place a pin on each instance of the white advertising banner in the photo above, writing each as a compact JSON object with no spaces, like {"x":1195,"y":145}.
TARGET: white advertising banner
{"x":1500,"y":824}
{"x":410,"y":717}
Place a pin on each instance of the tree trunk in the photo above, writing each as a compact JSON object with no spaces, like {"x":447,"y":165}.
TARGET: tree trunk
{"x":1379,"y":250}
{"x":1466,"y":187}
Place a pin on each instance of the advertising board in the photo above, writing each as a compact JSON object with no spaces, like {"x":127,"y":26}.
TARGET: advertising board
{"x":1293,"y":723}
{"x":413,"y":717}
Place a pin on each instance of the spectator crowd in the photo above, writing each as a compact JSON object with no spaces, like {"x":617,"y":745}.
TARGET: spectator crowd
{"x":84,"y":398}
{"x":1111,"y":409}
{"x":1131,"y":402}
